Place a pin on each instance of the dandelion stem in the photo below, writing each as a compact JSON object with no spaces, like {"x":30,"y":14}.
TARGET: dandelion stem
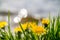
{"x":22,"y":29}
{"x":8,"y":22}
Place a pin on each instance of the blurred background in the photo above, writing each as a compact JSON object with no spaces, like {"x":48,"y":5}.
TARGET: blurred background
{"x":36,"y":8}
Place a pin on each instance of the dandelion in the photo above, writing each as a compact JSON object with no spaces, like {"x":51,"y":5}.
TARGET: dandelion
{"x":21,"y":14}
{"x":3,"y":24}
{"x":45,"y":21}
{"x":17,"y":29}
{"x":28,"y":25}
{"x":32,"y":24}
{"x":25,"y":26}
{"x":39,"y":30}
{"x":17,"y":19}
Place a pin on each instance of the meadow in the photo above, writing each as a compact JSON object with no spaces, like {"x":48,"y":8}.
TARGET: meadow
{"x":49,"y":30}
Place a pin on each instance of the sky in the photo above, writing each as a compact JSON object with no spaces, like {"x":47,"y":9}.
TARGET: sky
{"x":37,"y":8}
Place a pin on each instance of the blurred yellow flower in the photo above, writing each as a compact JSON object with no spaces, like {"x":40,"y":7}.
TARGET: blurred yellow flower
{"x":34,"y":27}
{"x":39,"y":30}
{"x":17,"y":29}
{"x":28,"y":25}
{"x":32,"y":24}
{"x":45,"y":21}
{"x":3,"y":24}
{"x":25,"y":26}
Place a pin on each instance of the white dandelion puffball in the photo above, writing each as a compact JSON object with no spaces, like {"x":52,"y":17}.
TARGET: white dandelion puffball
{"x":23,"y":13}
{"x":17,"y":19}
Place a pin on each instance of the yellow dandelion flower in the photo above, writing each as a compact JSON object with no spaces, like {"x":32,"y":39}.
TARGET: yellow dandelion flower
{"x":45,"y":21}
{"x":3,"y":24}
{"x":39,"y":30}
{"x":32,"y":24}
{"x":17,"y":29}
{"x":24,"y":26}
{"x":28,"y":25}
